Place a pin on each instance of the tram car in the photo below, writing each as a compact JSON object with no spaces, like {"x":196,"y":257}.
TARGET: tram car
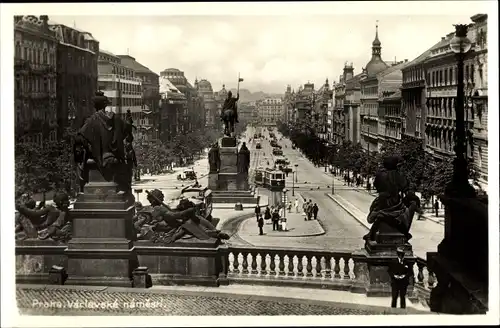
{"x":269,"y":178}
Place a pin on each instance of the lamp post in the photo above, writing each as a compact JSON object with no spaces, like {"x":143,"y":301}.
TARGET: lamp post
{"x":293,"y":183}
{"x":459,"y":186}
{"x":296,"y":173}
{"x":138,"y":191}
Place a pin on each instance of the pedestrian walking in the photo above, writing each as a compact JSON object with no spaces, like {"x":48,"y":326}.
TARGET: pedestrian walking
{"x":276,"y":219}
{"x":296,"y":205}
{"x":400,"y":273}
{"x":309,"y":209}
{"x":315,"y":211}
{"x":436,"y":207}
{"x":257,"y":211}
{"x":267,"y":213}
{"x":290,"y":206}
{"x":260,"y":223}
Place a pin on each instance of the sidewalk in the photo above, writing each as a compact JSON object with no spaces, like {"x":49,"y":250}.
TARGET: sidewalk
{"x":187,"y":301}
{"x":426,"y":234}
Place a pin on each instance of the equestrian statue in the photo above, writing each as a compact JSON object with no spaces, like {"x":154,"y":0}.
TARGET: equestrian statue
{"x":229,"y":112}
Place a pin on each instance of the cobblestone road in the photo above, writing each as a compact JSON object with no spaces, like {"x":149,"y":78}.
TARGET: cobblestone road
{"x":81,"y":302}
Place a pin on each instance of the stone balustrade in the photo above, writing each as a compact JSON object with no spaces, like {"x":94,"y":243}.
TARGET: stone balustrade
{"x":302,"y":267}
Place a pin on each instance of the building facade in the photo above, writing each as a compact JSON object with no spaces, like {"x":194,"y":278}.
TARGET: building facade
{"x":390,"y":118}
{"x":120,"y":84}
{"x":352,"y":119}
{"x":77,"y":53}
{"x":338,"y":117}
{"x":147,"y":120}
{"x":172,"y":106}
{"x":205,"y":90}
{"x":303,"y":102}
{"x":35,"y":79}
{"x":270,"y":110}
{"x":320,"y":107}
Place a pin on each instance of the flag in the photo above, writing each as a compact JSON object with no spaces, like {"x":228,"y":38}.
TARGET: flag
{"x":240,"y":79}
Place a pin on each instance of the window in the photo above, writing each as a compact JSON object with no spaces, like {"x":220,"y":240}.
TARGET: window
{"x":440,"y":77}
{"x":450,"y":75}
{"x":25,"y":57}
{"x":472,"y":73}
{"x":18,"y":50}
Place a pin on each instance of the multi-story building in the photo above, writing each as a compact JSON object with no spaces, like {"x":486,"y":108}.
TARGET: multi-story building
{"x":480,"y":98}
{"x":120,"y":84}
{"x":147,"y":121}
{"x":205,"y":90}
{"x":320,"y":107}
{"x":270,"y":110}
{"x":441,"y":90}
{"x":172,"y":105}
{"x":390,"y":118}
{"x":303,"y":101}
{"x":331,"y":108}
{"x":77,"y":53}
{"x":352,"y":121}
{"x":35,"y":87}
{"x":338,"y":117}
{"x":245,"y":112}
{"x":413,"y":105}
{"x":288,"y":105}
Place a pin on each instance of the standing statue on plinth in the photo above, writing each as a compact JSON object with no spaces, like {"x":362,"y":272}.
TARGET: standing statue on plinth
{"x":102,"y":140}
{"x":214,"y":158}
{"x":243,"y":159}
{"x":395,"y":204}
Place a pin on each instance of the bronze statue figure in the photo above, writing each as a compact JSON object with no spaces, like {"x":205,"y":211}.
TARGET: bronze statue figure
{"x":159,"y":223}
{"x":214,"y":158}
{"x":395,"y":205}
{"x":52,"y":221}
{"x":243,"y":159}
{"x":102,"y":138}
{"x":229,"y":113}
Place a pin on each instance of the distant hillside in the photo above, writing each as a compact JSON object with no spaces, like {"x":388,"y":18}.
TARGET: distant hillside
{"x":247,"y":96}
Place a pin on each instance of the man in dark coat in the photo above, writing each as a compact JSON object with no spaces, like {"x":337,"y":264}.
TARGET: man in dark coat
{"x":315,"y":210}
{"x":400,"y":273}
{"x":257,"y":211}
{"x":260,"y":223}
{"x":276,"y":220}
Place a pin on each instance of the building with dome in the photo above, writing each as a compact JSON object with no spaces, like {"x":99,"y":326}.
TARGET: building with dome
{"x":377,"y":77}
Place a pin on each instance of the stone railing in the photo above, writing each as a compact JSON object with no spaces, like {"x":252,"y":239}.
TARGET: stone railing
{"x":306,"y":267}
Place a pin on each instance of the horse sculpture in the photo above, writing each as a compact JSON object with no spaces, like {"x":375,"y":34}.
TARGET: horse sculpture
{"x":228,"y":118}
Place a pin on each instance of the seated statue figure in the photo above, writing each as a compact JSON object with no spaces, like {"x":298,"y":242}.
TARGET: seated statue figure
{"x":395,"y":205}
{"x":51,"y":221}
{"x":159,"y":223}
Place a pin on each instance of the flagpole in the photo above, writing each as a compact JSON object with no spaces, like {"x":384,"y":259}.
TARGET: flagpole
{"x":238,"y":89}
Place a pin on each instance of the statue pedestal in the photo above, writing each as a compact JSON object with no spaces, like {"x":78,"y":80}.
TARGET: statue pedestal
{"x":228,"y":142}
{"x":100,"y":251}
{"x":184,"y":262}
{"x":371,"y":263}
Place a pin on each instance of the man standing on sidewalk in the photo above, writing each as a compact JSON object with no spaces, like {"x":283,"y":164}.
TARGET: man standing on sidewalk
{"x":296,"y":205}
{"x":276,"y":219}
{"x":436,"y":207}
{"x":315,"y":211}
{"x":400,"y":273}
{"x":257,"y":211}
{"x":260,"y":223}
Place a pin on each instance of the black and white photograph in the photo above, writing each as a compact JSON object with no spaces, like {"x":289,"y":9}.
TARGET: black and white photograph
{"x":295,"y":163}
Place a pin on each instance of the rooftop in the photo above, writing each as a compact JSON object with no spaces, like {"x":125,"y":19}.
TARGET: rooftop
{"x":130,"y":62}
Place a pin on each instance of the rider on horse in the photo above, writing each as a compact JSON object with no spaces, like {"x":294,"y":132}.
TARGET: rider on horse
{"x":230,"y":103}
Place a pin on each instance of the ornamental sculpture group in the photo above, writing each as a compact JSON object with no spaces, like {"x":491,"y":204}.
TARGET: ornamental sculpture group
{"x":104,"y":143}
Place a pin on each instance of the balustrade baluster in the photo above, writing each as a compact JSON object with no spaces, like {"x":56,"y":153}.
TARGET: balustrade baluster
{"x":272,"y":265}
{"x":328,"y":267}
{"x":236,"y":263}
{"x":309,"y":266}
{"x":281,"y":265}
{"x":291,"y":272}
{"x":336,"y":269}
{"x":300,"y":266}
{"x":431,"y":279}
{"x":346,"y":268}
{"x":263,"y":264}
{"x":420,"y":275}
{"x":254,"y":263}
{"x":318,"y":267}
{"x":244,"y":264}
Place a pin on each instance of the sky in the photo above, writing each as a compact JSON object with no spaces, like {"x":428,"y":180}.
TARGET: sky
{"x":268,"y":51}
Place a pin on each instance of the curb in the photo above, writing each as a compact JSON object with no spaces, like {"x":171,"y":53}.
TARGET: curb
{"x":364,"y":224}
{"x":283,"y":236}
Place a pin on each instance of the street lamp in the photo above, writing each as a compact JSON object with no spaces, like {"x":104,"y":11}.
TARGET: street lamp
{"x":459,"y":185}
{"x":296,"y":173}
{"x":284,"y":209}
{"x":138,"y":191}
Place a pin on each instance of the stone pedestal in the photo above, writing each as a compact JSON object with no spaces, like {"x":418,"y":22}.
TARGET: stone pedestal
{"x":371,"y":263}
{"x":461,"y":263}
{"x":100,"y":252}
{"x":212,"y":181}
{"x":185,"y":262}
{"x":228,"y":142}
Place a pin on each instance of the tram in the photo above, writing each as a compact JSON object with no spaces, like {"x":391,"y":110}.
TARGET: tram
{"x":269,"y":178}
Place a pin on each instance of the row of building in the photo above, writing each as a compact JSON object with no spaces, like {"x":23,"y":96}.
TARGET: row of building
{"x":389,"y":101}
{"x":58,"y":69}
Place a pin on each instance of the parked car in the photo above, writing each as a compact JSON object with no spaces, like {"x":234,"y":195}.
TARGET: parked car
{"x":188,"y":174}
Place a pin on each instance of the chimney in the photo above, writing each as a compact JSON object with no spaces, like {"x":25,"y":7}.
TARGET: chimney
{"x":406,"y":60}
